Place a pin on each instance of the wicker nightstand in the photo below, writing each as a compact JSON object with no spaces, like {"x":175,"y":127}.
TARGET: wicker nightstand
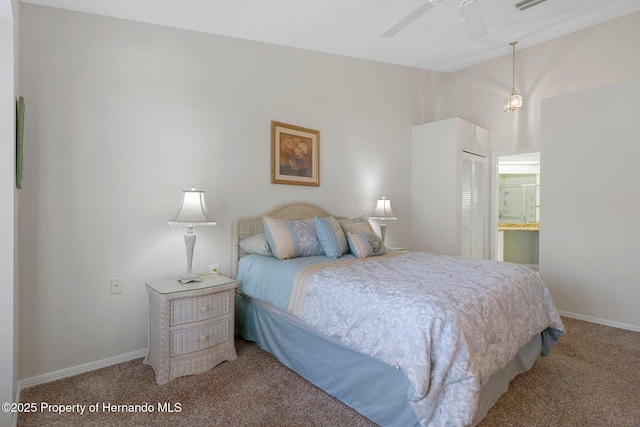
{"x":190,"y":326}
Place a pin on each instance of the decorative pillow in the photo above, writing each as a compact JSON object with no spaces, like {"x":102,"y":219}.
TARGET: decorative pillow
{"x":292,"y":238}
{"x":364,"y":245}
{"x":357,"y":225}
{"x":332,"y":238}
{"x":256,"y":244}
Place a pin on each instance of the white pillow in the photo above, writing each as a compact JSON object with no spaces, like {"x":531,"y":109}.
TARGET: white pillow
{"x":256,"y":244}
{"x":356,"y":225}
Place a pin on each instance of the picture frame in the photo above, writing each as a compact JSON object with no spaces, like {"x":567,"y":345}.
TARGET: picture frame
{"x":295,"y":155}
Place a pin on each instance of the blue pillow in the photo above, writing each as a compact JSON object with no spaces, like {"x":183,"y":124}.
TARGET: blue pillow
{"x":364,"y":245}
{"x":331,"y":237}
{"x":292,"y":238}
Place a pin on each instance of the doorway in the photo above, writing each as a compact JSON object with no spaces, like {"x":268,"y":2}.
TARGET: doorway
{"x":517,"y":208}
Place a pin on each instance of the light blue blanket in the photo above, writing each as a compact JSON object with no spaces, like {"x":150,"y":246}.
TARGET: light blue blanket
{"x":271,"y":280}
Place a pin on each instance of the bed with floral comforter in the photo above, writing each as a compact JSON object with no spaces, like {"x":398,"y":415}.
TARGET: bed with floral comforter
{"x":455,"y":330}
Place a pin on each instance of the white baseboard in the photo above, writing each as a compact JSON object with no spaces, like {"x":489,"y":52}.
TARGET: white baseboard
{"x":599,"y":321}
{"x":80,"y":369}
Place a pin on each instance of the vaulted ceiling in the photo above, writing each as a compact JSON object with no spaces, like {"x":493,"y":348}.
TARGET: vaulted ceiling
{"x":440,"y":35}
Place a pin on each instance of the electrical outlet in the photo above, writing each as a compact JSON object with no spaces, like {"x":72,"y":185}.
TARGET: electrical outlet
{"x":214,"y":268}
{"x":116,"y":285}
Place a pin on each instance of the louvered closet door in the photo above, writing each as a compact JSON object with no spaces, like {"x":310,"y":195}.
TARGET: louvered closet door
{"x":473,"y":205}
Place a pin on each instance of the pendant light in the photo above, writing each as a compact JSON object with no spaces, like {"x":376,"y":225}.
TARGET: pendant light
{"x":514,"y":102}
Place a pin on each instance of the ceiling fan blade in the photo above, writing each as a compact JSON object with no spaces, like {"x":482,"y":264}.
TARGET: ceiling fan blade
{"x":473,"y":19}
{"x":409,"y":19}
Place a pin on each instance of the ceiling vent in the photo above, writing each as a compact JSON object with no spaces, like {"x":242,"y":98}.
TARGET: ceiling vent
{"x":526,"y":4}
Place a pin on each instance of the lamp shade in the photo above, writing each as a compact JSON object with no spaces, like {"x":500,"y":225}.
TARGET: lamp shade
{"x":193,"y":210}
{"x":383,"y":210}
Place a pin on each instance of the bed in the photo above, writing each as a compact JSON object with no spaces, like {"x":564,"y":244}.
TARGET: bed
{"x":404,"y":338}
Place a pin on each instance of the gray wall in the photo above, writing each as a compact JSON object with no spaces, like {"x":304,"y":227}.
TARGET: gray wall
{"x":123,"y":116}
{"x":589,"y":240}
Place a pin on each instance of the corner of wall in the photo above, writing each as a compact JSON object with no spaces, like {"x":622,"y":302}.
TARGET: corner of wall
{"x":8,"y":284}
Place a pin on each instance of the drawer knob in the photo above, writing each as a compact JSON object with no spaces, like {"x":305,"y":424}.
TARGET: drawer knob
{"x":203,"y":338}
{"x":204,"y":308}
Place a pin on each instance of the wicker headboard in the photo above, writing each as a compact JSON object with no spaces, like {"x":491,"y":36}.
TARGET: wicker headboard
{"x":248,"y":226}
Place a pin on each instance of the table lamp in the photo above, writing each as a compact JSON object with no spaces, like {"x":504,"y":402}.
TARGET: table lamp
{"x":384,"y":213}
{"x":192,"y":213}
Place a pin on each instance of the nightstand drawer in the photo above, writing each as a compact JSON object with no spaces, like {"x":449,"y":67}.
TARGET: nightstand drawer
{"x":201,"y":308}
{"x":195,"y":339}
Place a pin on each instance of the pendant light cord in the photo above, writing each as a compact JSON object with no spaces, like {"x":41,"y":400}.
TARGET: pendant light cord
{"x":513,"y":75}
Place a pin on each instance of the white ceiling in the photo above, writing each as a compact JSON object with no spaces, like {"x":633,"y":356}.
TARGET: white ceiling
{"x":436,"y":41}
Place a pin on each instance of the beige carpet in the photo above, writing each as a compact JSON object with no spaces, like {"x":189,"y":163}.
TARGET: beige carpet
{"x":592,"y":378}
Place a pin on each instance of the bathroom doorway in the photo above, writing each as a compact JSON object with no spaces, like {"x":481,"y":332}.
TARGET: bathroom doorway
{"x":517,"y":206}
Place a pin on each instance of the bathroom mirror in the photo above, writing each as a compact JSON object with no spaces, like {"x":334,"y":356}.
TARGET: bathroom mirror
{"x":519,"y":188}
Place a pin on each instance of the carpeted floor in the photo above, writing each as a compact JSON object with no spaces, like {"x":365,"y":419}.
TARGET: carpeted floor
{"x":592,"y":378}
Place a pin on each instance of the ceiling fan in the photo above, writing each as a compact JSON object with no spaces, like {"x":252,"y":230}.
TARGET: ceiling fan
{"x":469,"y":10}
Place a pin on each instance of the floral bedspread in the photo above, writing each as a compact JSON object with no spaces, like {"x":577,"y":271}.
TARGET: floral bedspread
{"x":447,"y":323}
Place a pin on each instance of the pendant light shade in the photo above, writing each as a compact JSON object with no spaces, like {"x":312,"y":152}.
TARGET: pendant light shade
{"x":513,"y":103}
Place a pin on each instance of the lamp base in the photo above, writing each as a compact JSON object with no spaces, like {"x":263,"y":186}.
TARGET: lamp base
{"x":190,"y":242}
{"x":383,"y":230}
{"x":189,"y":279}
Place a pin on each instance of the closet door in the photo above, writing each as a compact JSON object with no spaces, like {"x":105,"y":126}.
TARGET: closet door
{"x":473,"y":206}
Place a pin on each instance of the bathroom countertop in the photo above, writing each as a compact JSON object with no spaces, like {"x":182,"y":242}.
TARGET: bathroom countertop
{"x":508,"y":226}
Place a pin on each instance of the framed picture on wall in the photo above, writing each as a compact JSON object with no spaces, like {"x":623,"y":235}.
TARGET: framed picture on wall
{"x":295,"y":155}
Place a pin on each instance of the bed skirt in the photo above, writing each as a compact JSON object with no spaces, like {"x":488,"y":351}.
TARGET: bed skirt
{"x":368,"y":385}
